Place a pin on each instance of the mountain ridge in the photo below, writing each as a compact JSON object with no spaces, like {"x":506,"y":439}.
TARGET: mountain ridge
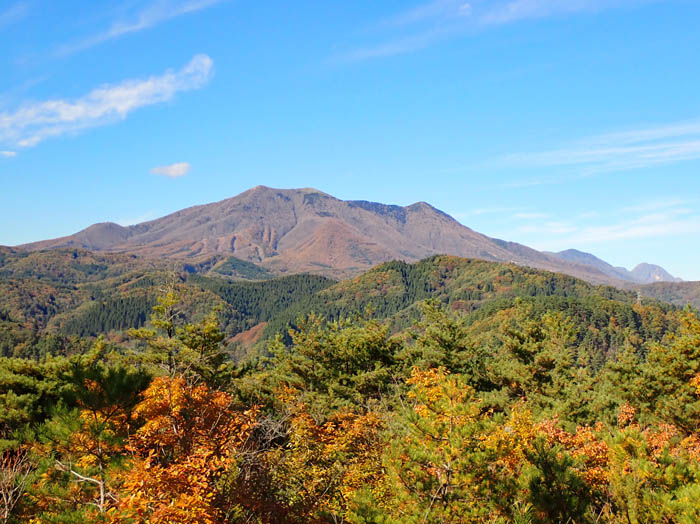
{"x":306,"y":230}
{"x":643,"y":273}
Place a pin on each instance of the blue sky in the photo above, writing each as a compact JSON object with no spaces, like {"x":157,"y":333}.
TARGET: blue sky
{"x":557,"y":124}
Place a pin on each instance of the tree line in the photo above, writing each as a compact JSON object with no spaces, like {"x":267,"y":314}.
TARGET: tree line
{"x":505,"y":416}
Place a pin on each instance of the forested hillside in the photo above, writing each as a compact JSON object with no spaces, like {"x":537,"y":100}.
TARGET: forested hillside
{"x":680,"y":293}
{"x":446,"y":391}
{"x":68,"y":293}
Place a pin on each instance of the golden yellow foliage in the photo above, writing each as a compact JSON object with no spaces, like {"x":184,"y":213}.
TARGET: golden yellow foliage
{"x":191,"y":438}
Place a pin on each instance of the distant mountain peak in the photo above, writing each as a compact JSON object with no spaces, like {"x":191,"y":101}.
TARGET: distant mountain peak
{"x":649,"y":273}
{"x":307,"y":230}
{"x":642,"y":274}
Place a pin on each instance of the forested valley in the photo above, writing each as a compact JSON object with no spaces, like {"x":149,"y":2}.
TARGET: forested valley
{"x":446,"y":391}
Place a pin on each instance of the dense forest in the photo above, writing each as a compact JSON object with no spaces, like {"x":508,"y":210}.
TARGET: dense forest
{"x":446,"y":391}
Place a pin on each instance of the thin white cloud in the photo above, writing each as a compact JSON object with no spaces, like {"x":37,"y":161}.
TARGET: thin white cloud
{"x":154,"y":13}
{"x":656,"y":225}
{"x":530,"y":216}
{"x":636,"y":149}
{"x":517,"y":10}
{"x":650,"y":134}
{"x":415,"y":29}
{"x":549,"y":228}
{"x":587,"y":215}
{"x":656,"y":205}
{"x":13,"y":14}
{"x":560,"y":227}
{"x":667,"y":221}
{"x":611,"y":158}
{"x":8,"y":154}
{"x":438,"y":9}
{"x":485,"y":211}
{"x":34,"y":122}
{"x":536,"y":181}
{"x":130,"y":221}
{"x":428,"y":23}
{"x":395,"y":47}
{"x":173,"y":170}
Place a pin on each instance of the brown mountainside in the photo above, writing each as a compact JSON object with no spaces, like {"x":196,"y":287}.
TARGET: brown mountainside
{"x":305,"y":230}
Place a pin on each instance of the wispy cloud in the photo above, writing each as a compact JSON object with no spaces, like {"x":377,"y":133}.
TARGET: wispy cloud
{"x":8,"y":154}
{"x":636,"y":149}
{"x":35,"y":122}
{"x":627,"y":231}
{"x":587,"y":215}
{"x":637,"y":222}
{"x":399,"y":46}
{"x":655,"y":225}
{"x":551,"y":228}
{"x":130,"y":221}
{"x":415,"y":28}
{"x":173,"y":170}
{"x":486,"y":211}
{"x":500,"y":13}
{"x":656,"y":205}
{"x":428,"y":23}
{"x":530,"y":216}
{"x":150,"y":15}
{"x":13,"y":14}
{"x":444,"y":10}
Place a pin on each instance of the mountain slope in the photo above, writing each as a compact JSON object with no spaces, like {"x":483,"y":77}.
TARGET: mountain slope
{"x":71,"y":293}
{"x":678,"y":293}
{"x":580,"y":257}
{"x":650,"y":273}
{"x":305,"y":230}
{"x":642,"y":274}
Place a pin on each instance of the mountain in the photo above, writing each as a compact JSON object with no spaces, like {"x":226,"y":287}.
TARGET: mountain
{"x":649,"y":273}
{"x":288,"y":231}
{"x":579,"y":257}
{"x":678,"y":293}
{"x":642,"y":274}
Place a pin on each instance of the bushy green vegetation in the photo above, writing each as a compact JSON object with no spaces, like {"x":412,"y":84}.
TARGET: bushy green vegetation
{"x":262,"y":301}
{"x":111,"y":314}
{"x":679,"y":293}
{"x":64,"y":297}
{"x":448,"y":422}
{"x":447,"y":391}
{"x":235,"y":267}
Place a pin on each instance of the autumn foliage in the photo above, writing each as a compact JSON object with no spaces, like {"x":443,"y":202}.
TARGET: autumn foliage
{"x":348,"y":424}
{"x":190,"y":441}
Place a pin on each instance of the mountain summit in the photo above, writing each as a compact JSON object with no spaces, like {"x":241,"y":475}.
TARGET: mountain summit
{"x":642,"y":274}
{"x":306,"y":230}
{"x":650,"y":273}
